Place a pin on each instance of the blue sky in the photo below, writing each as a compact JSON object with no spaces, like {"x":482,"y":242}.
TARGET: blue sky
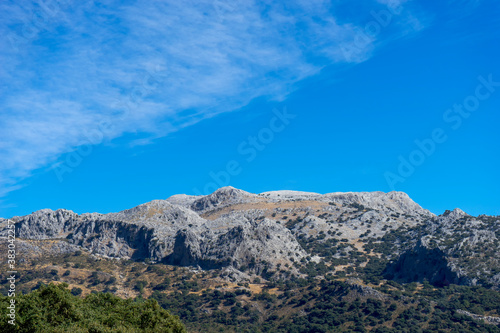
{"x":105,"y":105}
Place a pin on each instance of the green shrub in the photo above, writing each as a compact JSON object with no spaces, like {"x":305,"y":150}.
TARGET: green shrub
{"x":53,"y":308}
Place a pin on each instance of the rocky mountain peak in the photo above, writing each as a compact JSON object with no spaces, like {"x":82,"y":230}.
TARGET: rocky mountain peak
{"x":290,"y":195}
{"x":271,"y":231}
{"x":183,"y":200}
{"x":457,"y":213}
{"x":157,"y":212}
{"x":398,"y":202}
{"x":222,"y":197}
{"x":155,"y":206}
{"x":50,"y":212}
{"x":449,"y":218}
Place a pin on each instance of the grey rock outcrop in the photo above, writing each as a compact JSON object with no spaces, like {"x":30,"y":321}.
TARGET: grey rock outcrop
{"x":451,"y":248}
{"x":488,"y":319}
{"x":422,"y":263}
{"x":244,"y":233}
{"x":223,"y":197}
{"x":172,"y":231}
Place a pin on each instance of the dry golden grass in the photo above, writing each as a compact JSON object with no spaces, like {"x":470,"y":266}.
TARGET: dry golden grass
{"x":268,"y":207}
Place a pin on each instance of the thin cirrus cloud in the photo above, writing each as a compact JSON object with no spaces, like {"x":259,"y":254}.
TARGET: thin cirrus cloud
{"x":154,"y":67}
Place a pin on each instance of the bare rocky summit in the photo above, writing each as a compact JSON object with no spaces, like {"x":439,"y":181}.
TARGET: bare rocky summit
{"x":281,"y":233}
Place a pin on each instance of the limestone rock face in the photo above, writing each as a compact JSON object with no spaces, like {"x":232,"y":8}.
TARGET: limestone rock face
{"x":398,"y":202}
{"x":183,"y":200}
{"x":285,"y":232}
{"x":46,"y":224}
{"x":422,"y":263}
{"x":451,"y":248}
{"x":222,"y":197}
{"x":171,"y":231}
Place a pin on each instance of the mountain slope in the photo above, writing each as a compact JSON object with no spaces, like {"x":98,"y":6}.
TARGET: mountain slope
{"x":281,"y":234}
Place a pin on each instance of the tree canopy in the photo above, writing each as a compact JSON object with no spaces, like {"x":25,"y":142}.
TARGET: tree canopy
{"x":52,"y":308}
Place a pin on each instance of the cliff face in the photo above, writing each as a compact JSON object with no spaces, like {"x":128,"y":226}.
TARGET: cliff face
{"x":172,"y":232}
{"x":284,"y":232}
{"x":423,"y":263}
{"x":451,"y":248}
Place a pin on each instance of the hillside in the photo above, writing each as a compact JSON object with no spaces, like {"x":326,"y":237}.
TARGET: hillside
{"x":368,"y":261}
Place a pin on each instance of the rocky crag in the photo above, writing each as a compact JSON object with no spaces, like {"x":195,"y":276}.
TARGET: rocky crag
{"x":281,"y":233}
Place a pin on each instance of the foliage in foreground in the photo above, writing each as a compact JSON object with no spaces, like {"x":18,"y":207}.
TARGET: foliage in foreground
{"x":53,"y":308}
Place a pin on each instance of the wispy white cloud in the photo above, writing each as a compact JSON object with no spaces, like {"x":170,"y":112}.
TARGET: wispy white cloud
{"x":154,"y":66}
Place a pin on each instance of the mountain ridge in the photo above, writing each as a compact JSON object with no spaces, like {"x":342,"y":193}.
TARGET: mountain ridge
{"x":279,"y":234}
